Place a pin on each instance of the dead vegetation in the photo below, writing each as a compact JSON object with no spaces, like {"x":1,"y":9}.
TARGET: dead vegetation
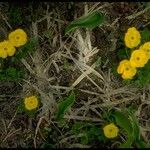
{"x":62,"y":63}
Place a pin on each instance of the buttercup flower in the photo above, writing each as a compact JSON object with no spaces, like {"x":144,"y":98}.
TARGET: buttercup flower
{"x":3,"y":53}
{"x":31,"y":102}
{"x":125,"y":68}
{"x":132,"y":37}
{"x":138,"y":58}
{"x":110,"y":130}
{"x":6,"y":49}
{"x":18,"y":37}
{"x":146,"y":48}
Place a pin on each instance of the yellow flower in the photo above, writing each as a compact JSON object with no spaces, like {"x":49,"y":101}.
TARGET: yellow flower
{"x":146,"y":48}
{"x":31,"y":102}
{"x":3,"y":54}
{"x":125,"y":68}
{"x":6,"y":49}
{"x":18,"y":37}
{"x":132,"y":37}
{"x":110,"y":130}
{"x":138,"y":58}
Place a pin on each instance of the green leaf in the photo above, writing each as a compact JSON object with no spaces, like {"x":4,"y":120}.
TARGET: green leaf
{"x":145,"y":34}
{"x":137,"y":136}
{"x":90,"y":21}
{"x":141,"y":144}
{"x":124,"y":53}
{"x":136,"y":128}
{"x":135,"y":125}
{"x":125,"y":123}
{"x":64,"y":105}
{"x":11,"y":74}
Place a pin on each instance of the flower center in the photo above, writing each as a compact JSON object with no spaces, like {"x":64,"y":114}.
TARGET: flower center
{"x":132,"y":37}
{"x":31,"y":102}
{"x":5,"y":48}
{"x":110,"y":130}
{"x":148,"y":50}
{"x":138,"y":58}
{"x":17,"y":37}
{"x":127,"y":68}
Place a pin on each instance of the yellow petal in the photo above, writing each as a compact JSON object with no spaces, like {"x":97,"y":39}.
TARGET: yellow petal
{"x":18,"y":37}
{"x":129,"y":74}
{"x":132,"y":37}
{"x":110,"y":130}
{"x":146,"y":48}
{"x":3,"y":54}
{"x":120,"y":68}
{"x":138,"y":58}
{"x":31,"y":102}
{"x":11,"y":52}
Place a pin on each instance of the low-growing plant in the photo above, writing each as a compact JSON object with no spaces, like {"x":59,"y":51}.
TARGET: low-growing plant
{"x":29,"y":105}
{"x":11,"y":74}
{"x":130,"y":128}
{"x":91,"y":132}
{"x":135,"y":63}
{"x":64,"y":105}
{"x":90,"y":21}
{"x":12,"y":51}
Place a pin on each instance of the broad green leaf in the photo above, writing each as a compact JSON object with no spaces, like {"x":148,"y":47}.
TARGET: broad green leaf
{"x":125,"y":123}
{"x":64,"y":105}
{"x":134,"y":122}
{"x":90,"y":21}
{"x":136,"y":128}
{"x":137,"y":136}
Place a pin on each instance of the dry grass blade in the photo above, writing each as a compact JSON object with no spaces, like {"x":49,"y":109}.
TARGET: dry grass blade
{"x":10,"y":134}
{"x":82,"y":118}
{"x":70,"y":137}
{"x":28,"y":66}
{"x":36,"y":130}
{"x":85,"y":73}
{"x":4,"y":18}
{"x":78,"y":145}
{"x":83,"y":61}
{"x":116,"y":102}
{"x":92,"y":9}
{"x":12,"y":119}
{"x":133,"y":16}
